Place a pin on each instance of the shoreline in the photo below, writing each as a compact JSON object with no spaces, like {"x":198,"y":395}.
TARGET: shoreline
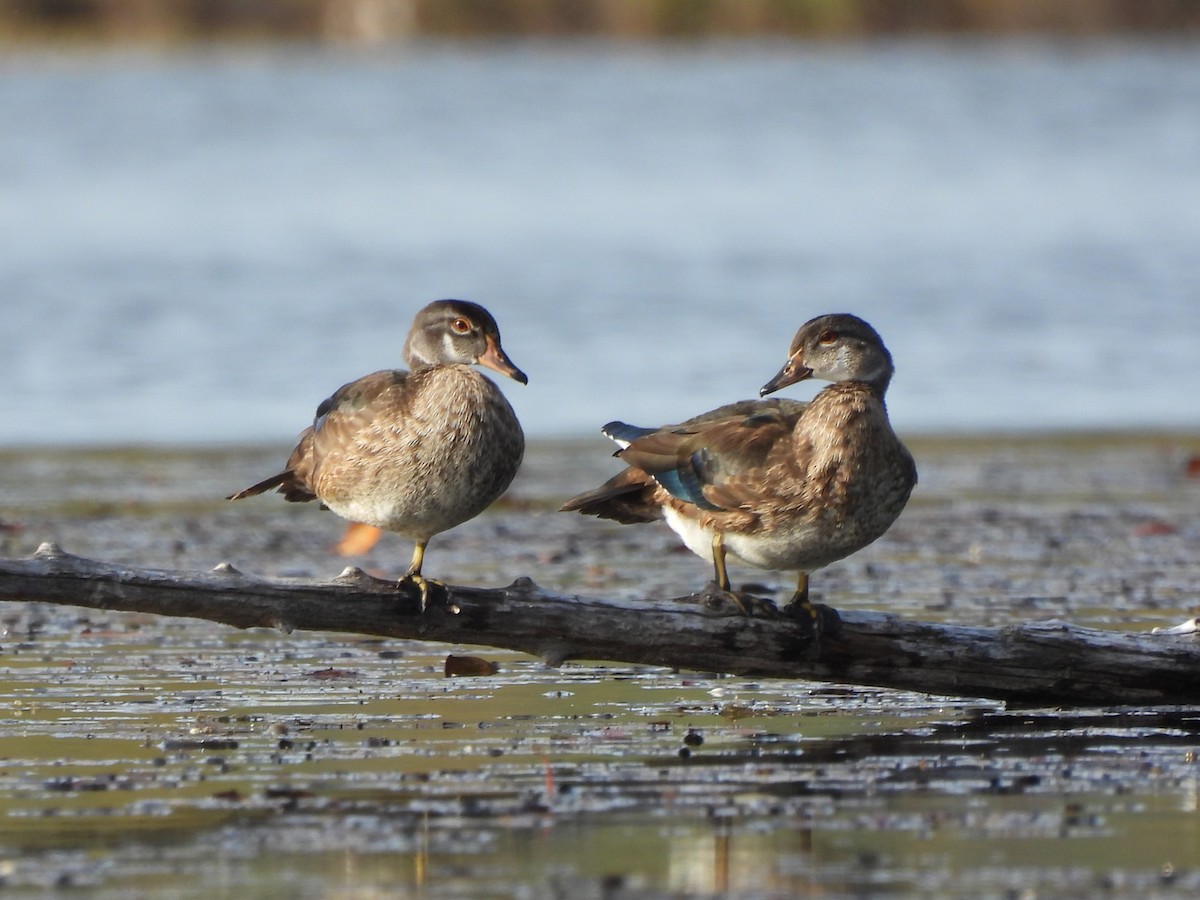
{"x":377,"y":21}
{"x":1187,"y":435}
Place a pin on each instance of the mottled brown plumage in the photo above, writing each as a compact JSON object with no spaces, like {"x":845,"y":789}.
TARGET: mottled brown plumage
{"x":415,"y":452}
{"x":631,"y":496}
{"x":780,"y":485}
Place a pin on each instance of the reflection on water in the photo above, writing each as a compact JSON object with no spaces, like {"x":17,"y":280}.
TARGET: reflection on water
{"x":202,"y":247}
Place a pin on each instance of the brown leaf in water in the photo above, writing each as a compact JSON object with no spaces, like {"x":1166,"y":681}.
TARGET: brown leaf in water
{"x":460,"y":666}
{"x":1154,"y":528}
{"x":331,"y":674}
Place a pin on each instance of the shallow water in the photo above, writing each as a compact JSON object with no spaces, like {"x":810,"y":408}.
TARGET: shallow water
{"x":201,"y":247}
{"x":185,"y":758}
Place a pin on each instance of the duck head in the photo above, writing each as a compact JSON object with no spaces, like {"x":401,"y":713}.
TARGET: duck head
{"x":458,"y":332}
{"x":837,"y":347}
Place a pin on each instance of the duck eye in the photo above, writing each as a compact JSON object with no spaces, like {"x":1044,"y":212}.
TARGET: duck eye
{"x":460,"y":326}
{"x":827,"y":337}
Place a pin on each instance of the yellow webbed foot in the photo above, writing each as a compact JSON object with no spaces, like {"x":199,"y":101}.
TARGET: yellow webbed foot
{"x":426,"y":587}
{"x":715,"y":597}
{"x":414,"y":576}
{"x":816,"y":619}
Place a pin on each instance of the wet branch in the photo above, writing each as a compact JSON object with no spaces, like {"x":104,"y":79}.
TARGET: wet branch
{"x":1035,"y":663}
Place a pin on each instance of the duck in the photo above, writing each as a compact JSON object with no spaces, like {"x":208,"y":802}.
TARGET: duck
{"x":779,"y":484}
{"x":418,"y":451}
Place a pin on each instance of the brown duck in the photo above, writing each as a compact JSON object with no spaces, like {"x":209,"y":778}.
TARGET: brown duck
{"x":415,"y":452}
{"x":779,"y":484}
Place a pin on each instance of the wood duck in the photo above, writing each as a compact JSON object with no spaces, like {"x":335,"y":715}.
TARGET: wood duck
{"x":414,"y":452}
{"x":779,"y":484}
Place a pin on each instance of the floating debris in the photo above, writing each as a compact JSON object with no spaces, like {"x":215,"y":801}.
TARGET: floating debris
{"x":468,"y":666}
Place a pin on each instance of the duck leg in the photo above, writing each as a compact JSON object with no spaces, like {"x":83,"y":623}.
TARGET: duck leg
{"x":801,"y":595}
{"x":414,"y":574}
{"x":722,"y":574}
{"x":744,"y":602}
{"x":817,"y":618}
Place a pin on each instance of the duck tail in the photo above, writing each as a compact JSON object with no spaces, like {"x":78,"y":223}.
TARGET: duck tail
{"x":624,"y":498}
{"x":288,"y":485}
{"x":265,"y":485}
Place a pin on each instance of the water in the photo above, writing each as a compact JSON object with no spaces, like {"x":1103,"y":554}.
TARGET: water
{"x":202,"y":246}
{"x":150,"y":756}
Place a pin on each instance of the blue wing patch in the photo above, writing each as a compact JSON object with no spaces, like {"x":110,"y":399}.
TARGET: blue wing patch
{"x":677,"y":485}
{"x":686,"y":482}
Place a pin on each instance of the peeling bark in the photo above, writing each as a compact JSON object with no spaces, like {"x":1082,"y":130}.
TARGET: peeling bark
{"x":1036,"y":663}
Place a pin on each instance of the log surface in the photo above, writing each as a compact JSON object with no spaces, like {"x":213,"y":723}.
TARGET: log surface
{"x":1037,"y":663}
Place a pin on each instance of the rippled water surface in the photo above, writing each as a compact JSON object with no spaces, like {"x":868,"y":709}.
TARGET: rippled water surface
{"x":201,"y":247}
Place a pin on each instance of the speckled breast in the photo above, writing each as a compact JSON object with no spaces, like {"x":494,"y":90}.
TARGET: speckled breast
{"x":445,"y":456}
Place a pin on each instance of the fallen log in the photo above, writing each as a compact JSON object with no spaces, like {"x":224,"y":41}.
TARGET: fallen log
{"x":1034,"y":663}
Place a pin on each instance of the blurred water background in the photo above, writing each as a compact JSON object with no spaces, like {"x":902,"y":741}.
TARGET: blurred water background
{"x":213,"y":213}
{"x":199,"y":246}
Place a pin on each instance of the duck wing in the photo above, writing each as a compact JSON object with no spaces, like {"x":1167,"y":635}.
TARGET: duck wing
{"x":717,"y":460}
{"x":653,"y":457}
{"x":339,"y":418}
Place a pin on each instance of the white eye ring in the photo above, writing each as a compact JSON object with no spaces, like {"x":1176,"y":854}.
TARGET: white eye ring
{"x":460,"y":326}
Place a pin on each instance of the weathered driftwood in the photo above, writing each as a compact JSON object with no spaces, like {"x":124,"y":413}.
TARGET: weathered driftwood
{"x":1034,"y":663}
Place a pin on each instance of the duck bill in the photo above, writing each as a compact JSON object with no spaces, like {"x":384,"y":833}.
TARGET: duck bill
{"x":792,"y":372}
{"x":497,"y":360}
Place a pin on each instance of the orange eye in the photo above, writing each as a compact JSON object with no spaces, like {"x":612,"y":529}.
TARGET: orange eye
{"x":827,"y":337}
{"x":460,"y":326}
